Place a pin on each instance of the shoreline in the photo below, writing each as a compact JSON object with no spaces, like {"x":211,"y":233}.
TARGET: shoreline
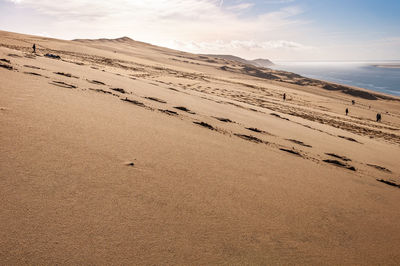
{"x":395,"y":66}
{"x":355,"y":81}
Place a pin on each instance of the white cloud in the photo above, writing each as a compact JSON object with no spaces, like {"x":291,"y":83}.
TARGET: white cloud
{"x":278,"y":1}
{"x":197,"y":16}
{"x":196,"y":25}
{"x":241,"y":6}
{"x":237,"y":46}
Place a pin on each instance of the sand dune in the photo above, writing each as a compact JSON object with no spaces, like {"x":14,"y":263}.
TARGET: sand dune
{"x":121,"y":152}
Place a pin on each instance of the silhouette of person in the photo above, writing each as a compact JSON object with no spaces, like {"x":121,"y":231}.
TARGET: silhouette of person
{"x":347,"y":111}
{"x":34,"y":48}
{"x":284,"y":96}
{"x":353,"y":102}
{"x":378,"y":117}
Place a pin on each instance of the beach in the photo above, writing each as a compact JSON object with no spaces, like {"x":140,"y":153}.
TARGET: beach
{"x":381,"y":77}
{"x":114,"y":151}
{"x":388,"y":66}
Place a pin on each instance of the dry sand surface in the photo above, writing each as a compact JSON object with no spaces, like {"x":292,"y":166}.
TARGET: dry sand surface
{"x":121,"y":152}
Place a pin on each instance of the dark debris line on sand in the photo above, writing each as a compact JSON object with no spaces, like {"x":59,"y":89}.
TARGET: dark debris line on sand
{"x":53,"y":56}
{"x":5,"y":60}
{"x":32,"y":73}
{"x":300,"y":143}
{"x":6,"y":66}
{"x":155,"y":99}
{"x":284,"y":118}
{"x":340,"y":164}
{"x":63,"y":84}
{"x":390,"y":183}
{"x":254,"y":129}
{"x":379,"y":168}
{"x":338,"y":157}
{"x":349,"y":139}
{"x":249,"y":138}
{"x":203,"y":124}
{"x":134,"y":102}
{"x":291,"y":151}
{"x":34,"y":67}
{"x":65,"y":74}
{"x":96,"y":82}
{"x":118,"y":90}
{"x":168,"y":112}
{"x":100,"y":90}
{"x":182,"y":108}
{"x":225,"y":120}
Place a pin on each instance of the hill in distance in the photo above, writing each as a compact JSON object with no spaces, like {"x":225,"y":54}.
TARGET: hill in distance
{"x":256,"y":62}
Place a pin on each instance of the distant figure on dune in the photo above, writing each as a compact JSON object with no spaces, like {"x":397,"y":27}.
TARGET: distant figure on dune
{"x":284,"y":96}
{"x":378,"y":117}
{"x":347,"y":111}
{"x":353,"y":102}
{"x":34,"y":48}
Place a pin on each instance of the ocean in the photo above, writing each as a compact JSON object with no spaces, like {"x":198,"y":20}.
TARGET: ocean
{"x":359,"y":74}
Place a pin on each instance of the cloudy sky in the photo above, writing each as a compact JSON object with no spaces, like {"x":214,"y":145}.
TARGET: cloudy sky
{"x":274,"y":29}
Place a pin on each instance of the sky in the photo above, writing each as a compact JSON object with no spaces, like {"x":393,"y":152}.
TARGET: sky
{"x":293,"y":30}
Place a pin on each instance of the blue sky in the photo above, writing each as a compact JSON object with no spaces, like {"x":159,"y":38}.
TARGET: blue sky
{"x":275,"y":29}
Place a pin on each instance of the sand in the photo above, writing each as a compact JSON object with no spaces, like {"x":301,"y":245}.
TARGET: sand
{"x":388,"y":66}
{"x":121,"y":152}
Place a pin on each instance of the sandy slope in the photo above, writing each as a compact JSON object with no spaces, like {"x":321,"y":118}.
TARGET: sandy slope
{"x":209,"y":192}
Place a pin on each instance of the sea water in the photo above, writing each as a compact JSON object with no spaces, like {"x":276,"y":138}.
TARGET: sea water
{"x":359,"y":74}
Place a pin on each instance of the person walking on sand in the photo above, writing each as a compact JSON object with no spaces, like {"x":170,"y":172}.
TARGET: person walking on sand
{"x":347,"y":111}
{"x":284,"y":96}
{"x":34,"y":48}
{"x":378,"y":117}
